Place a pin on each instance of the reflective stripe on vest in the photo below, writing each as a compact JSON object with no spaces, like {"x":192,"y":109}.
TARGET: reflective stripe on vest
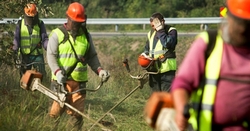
{"x":66,"y":56}
{"x":212,"y":71}
{"x":169,"y":63}
{"x":29,"y":41}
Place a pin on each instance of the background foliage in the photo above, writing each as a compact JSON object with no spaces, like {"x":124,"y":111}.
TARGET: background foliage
{"x":104,"y":9}
{"x":143,"y":9}
{"x":27,"y":111}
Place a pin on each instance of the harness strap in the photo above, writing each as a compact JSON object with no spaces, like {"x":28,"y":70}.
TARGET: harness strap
{"x":66,"y":38}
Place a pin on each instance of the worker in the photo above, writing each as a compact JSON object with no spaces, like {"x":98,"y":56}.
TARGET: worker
{"x":29,"y":40}
{"x":160,"y":50}
{"x":70,"y":51}
{"x":211,"y":90}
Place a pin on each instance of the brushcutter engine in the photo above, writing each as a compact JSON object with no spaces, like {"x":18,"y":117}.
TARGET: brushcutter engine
{"x":31,"y":80}
{"x":159,"y":112}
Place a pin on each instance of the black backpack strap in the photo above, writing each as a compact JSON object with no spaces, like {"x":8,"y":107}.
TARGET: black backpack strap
{"x":86,"y":32}
{"x":167,"y":27}
{"x":65,"y":32}
{"x":211,"y":42}
{"x":66,"y":38}
{"x":66,"y":35}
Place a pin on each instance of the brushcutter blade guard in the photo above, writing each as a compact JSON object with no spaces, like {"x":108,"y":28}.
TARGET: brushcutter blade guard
{"x":28,"y":77}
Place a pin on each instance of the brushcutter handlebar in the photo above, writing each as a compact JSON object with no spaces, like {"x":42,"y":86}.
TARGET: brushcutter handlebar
{"x":125,"y":63}
{"x":19,"y":64}
{"x":29,"y":64}
{"x":142,"y":78}
{"x":88,"y":89}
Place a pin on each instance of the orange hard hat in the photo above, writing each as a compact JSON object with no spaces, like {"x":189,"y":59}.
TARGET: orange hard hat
{"x":144,"y":61}
{"x":30,"y":9}
{"x":76,"y":12}
{"x":239,"y":8}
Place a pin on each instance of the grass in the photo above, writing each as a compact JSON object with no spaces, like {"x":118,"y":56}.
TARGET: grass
{"x":23,"y":110}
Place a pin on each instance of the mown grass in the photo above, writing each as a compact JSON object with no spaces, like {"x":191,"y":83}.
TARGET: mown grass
{"x":22,"y":110}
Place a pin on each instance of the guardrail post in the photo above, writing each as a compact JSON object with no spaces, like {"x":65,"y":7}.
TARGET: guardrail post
{"x":144,"y":27}
{"x":204,"y":27}
{"x":116,"y":27}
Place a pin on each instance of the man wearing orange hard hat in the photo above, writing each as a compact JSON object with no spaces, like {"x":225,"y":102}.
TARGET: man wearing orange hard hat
{"x":211,"y":90}
{"x":70,"y":51}
{"x":30,"y":39}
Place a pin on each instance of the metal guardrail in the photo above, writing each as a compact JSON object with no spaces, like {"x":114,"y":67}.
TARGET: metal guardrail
{"x":124,"y":21}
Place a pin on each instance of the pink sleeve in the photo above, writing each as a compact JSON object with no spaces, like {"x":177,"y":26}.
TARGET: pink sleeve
{"x":191,"y":70}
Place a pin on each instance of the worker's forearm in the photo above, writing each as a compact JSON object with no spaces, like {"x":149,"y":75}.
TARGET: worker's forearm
{"x":180,"y":97}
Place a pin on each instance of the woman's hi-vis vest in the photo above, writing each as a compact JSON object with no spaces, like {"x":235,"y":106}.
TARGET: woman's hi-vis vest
{"x":67,"y":59}
{"x":170,"y":63}
{"x":29,"y":42}
{"x":202,"y":101}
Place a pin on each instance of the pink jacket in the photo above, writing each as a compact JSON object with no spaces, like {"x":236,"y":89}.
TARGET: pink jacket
{"x":232,"y":102}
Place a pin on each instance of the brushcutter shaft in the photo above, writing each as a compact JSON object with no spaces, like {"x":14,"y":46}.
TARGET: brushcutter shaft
{"x":142,"y":80}
{"x":74,"y":109}
{"x":57,"y":96}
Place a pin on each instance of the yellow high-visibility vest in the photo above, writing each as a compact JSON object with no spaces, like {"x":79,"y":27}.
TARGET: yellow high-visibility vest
{"x":203,"y":99}
{"x":29,"y":42}
{"x":67,"y":58}
{"x":170,"y":63}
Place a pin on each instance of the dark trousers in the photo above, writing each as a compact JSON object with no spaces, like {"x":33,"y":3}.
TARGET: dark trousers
{"x":161,"y":81}
{"x":28,"y":59}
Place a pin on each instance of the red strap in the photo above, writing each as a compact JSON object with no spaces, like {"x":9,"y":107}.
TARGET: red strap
{"x":57,"y":71}
{"x":99,"y":69}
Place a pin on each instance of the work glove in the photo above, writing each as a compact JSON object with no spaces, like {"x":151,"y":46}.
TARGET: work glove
{"x":104,"y":75}
{"x":17,"y":59}
{"x":61,"y":79}
{"x":158,"y":24}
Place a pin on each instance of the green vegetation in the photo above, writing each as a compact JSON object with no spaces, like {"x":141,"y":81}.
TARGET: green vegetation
{"x":107,"y":9}
{"x":23,"y":110}
{"x":143,"y":9}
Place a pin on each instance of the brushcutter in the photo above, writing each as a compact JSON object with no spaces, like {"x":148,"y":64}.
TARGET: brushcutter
{"x":159,"y":110}
{"x":31,"y":80}
{"x":142,"y":80}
